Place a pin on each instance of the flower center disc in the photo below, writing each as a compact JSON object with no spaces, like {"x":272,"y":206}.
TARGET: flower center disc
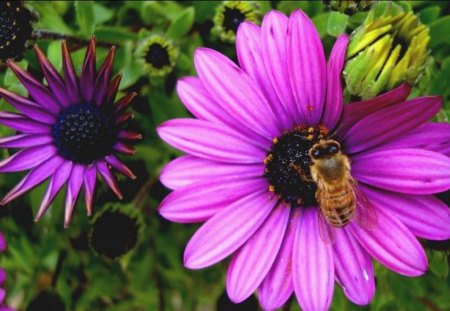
{"x":288,"y":165}
{"x":157,"y":56}
{"x":232,"y":19}
{"x":83,"y":133}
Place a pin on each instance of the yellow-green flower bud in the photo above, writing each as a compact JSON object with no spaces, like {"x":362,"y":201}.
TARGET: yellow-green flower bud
{"x":230,"y":14}
{"x":157,"y":56}
{"x":388,"y":49}
{"x":349,"y":7}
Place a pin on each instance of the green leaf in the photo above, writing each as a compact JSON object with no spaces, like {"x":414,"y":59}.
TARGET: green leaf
{"x":439,"y":31}
{"x":337,"y":23}
{"x":438,"y":264}
{"x":49,"y":18}
{"x":85,"y":16}
{"x":114,"y":34}
{"x":182,"y":24}
{"x":429,"y":14}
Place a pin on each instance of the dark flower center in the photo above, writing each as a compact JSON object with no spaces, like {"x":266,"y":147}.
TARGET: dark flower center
{"x":288,"y":165}
{"x":157,"y":56}
{"x":114,"y":234}
{"x":15,"y":28}
{"x":233,"y":18}
{"x":83,"y":133}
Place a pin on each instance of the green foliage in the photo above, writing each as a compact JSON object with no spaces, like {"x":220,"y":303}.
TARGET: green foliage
{"x":152,"y":277}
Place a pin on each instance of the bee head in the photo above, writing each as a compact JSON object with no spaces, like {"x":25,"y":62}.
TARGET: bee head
{"x":324,"y":149}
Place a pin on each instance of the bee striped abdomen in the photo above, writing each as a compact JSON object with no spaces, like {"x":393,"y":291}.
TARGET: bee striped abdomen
{"x":337,"y":206}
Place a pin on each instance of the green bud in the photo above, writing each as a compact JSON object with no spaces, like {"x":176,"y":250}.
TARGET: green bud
{"x":349,"y":7}
{"x":391,"y":47}
{"x":230,"y":14}
{"x":157,"y":55}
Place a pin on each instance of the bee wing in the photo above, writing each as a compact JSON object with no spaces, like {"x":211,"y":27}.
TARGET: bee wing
{"x":326,"y":231}
{"x":365,"y":214}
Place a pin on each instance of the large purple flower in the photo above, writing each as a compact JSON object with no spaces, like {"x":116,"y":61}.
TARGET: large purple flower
{"x":248,"y":162}
{"x":70,"y":130}
{"x":3,"y":276}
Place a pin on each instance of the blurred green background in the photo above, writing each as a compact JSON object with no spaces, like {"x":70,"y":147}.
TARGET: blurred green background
{"x":45,"y":261}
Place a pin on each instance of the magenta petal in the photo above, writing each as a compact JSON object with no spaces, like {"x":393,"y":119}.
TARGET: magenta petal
{"x":306,"y":67}
{"x":34,"y":178}
{"x":203,"y":106}
{"x":428,"y":136}
{"x":22,"y":123}
{"x":2,"y":271}
{"x":414,"y":171}
{"x":277,"y":287}
{"x":389,"y":123}
{"x":88,"y":73}
{"x":70,"y":77}
{"x":354,"y":269}
{"x":200,"y":201}
{"x":73,"y":189}
{"x":90,"y":179}
{"x":109,"y":178}
{"x":27,"y":158}
{"x":226,"y":231}
{"x":312,"y":264}
{"x":273,"y":40}
{"x":356,"y":111}
{"x":54,"y":81}
{"x":58,"y":180}
{"x":235,"y":91}
{"x":27,"y":107}
{"x":250,"y":56}
{"x":119,"y":166}
{"x":103,"y":77}
{"x":335,"y":99}
{"x":2,"y":248}
{"x":393,"y":245}
{"x":210,"y":141}
{"x":425,"y":215}
{"x":40,"y":93}
{"x":25,"y":141}
{"x":188,"y":169}
{"x":253,"y":260}
{"x":2,"y":297}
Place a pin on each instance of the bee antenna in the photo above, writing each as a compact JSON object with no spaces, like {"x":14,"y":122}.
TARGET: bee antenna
{"x":335,"y":131}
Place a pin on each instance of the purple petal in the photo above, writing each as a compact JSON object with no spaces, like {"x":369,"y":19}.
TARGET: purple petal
{"x":54,"y":81}
{"x":2,"y":245}
{"x":70,"y":77}
{"x":2,"y":276}
{"x":356,"y":111}
{"x":22,"y":123}
{"x":125,"y":102}
{"x":34,"y":178}
{"x":27,"y":158}
{"x":414,"y":171}
{"x":200,"y":201}
{"x":277,"y":287}
{"x":334,"y":103}
{"x":312,"y":267}
{"x":253,"y":260}
{"x":112,"y":89}
{"x":306,"y":67}
{"x":40,"y":93}
{"x":108,"y":178}
{"x":428,"y":136}
{"x":393,"y":245}
{"x":73,"y":190}
{"x":2,"y":297}
{"x":103,"y":77}
{"x":391,"y":122}
{"x":202,"y":105}
{"x":58,"y":180}
{"x":128,"y":135}
{"x":119,"y":166}
{"x":250,"y":56}
{"x":88,"y":73}
{"x":226,"y":231}
{"x":27,"y":107}
{"x":425,"y":215}
{"x":210,"y":141}
{"x":354,"y":269}
{"x":25,"y":141}
{"x":273,"y":40}
{"x":124,"y":148}
{"x":189,"y":169}
{"x":235,"y":91}
{"x":90,"y":179}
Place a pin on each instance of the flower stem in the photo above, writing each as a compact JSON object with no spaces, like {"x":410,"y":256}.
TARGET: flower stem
{"x":50,"y":35}
{"x":59,"y":264}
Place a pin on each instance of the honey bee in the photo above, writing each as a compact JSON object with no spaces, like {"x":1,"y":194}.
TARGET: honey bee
{"x":337,"y":194}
